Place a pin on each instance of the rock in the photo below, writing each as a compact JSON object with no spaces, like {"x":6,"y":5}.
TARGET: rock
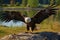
{"x":6,"y":37}
{"x":33,"y":36}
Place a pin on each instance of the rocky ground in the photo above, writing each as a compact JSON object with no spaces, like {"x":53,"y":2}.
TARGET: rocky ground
{"x":33,"y":36}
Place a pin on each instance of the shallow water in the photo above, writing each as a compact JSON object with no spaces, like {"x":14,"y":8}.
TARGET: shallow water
{"x":12,"y":23}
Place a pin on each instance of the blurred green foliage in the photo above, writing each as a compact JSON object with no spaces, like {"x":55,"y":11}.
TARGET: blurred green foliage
{"x":33,"y":3}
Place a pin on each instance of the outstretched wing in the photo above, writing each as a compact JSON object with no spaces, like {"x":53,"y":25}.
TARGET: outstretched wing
{"x":42,"y":15}
{"x":7,"y":16}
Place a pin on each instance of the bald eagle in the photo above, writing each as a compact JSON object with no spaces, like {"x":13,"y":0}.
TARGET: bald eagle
{"x":30,"y":22}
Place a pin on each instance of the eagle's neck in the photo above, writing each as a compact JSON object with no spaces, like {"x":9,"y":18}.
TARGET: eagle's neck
{"x":27,"y":19}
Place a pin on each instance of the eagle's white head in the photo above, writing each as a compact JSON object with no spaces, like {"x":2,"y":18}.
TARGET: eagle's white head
{"x":27,"y":19}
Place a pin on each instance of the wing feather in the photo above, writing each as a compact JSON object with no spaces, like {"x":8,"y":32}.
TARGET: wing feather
{"x":41,"y":15}
{"x":7,"y":16}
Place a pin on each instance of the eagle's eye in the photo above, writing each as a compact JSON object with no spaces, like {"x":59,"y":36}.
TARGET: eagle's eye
{"x":27,"y":19}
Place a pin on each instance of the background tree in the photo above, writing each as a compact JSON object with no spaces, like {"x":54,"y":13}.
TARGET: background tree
{"x":58,"y":2}
{"x":1,"y":1}
{"x":52,"y":2}
{"x":12,"y":2}
{"x":24,"y":2}
{"x":33,"y":3}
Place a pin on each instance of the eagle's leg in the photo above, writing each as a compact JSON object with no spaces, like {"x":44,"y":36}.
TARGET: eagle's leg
{"x":28,"y":28}
{"x":33,"y":27}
